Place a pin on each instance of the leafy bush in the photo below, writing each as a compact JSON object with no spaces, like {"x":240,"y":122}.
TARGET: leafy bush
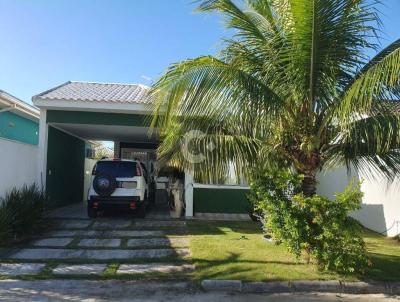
{"x":21,"y":213}
{"x":315,"y":225}
{"x":6,"y":234}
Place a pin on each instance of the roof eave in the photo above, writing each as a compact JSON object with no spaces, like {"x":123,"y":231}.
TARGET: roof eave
{"x":82,"y":105}
{"x":19,"y":106}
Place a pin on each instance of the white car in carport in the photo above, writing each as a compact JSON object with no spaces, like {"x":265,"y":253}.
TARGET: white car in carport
{"x":119,"y":183}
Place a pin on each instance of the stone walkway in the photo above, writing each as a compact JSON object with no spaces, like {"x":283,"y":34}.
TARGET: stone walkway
{"x":78,"y":246}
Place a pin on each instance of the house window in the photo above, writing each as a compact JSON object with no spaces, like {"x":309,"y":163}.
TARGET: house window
{"x":230,"y":178}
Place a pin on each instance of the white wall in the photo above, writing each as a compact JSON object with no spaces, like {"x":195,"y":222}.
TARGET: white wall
{"x":381,"y":206}
{"x":381,"y":202}
{"x":330,"y":182}
{"x":189,"y":193}
{"x":18,"y":164}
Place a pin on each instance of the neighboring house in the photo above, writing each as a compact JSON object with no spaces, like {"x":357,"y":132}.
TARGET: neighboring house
{"x":19,"y":137}
{"x":76,"y":112}
{"x":19,"y":121}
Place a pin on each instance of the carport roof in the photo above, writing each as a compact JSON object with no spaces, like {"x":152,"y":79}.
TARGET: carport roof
{"x":97,"y":92}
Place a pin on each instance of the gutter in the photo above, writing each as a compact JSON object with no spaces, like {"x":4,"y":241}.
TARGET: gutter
{"x":8,"y":108}
{"x":13,"y":103}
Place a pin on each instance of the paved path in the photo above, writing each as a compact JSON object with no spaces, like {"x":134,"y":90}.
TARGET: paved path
{"x":115,"y":290}
{"x":78,"y":211}
{"x":76,"y":245}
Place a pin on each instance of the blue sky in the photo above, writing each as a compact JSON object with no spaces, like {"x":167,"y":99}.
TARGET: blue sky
{"x":47,"y":42}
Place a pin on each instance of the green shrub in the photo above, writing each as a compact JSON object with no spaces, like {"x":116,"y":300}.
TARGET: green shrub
{"x":315,"y":225}
{"x":6,"y":234}
{"x":21,"y":213}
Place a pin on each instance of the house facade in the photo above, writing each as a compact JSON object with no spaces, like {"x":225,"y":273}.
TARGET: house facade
{"x":19,"y":138}
{"x":19,"y":121}
{"x":76,"y":112}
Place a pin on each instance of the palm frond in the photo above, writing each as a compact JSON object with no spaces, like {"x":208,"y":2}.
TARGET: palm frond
{"x":292,"y":86}
{"x":211,"y":151}
{"x":378,"y":81}
{"x":264,"y":14}
{"x":207,"y":86}
{"x":328,"y":44}
{"x":370,"y":144}
{"x":235,"y":18}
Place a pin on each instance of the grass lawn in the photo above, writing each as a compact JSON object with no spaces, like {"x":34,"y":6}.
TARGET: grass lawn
{"x":236,"y":250}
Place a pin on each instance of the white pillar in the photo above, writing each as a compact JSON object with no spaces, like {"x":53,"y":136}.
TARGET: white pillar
{"x":189,"y":193}
{"x":42,"y":157}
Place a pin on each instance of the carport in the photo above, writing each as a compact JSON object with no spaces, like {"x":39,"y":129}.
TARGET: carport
{"x":75,"y":113}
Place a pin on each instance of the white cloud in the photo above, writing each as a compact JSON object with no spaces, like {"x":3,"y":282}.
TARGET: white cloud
{"x":146,"y":78}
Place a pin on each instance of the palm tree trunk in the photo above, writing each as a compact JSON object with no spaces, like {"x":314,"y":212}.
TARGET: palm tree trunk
{"x":309,"y":184}
{"x":309,"y":168}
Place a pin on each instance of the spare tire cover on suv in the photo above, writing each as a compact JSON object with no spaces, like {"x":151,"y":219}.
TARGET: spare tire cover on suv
{"x":104,"y":184}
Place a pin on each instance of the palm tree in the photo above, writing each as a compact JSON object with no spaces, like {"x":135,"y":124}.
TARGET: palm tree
{"x":294,"y":85}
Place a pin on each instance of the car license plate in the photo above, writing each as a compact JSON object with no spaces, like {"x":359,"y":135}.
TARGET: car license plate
{"x":129,"y":184}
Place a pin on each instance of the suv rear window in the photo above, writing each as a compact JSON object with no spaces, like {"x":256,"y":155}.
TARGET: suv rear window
{"x":116,"y":168}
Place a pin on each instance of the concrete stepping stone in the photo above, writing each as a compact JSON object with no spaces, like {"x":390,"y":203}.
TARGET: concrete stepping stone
{"x":179,"y":241}
{"x":53,"y":242}
{"x":14,"y":269}
{"x":158,"y":242}
{"x":97,"y":234}
{"x":154,"y":268}
{"x":45,"y":254}
{"x":79,"y":269}
{"x":112,"y":224}
{"x":100,"y":242}
{"x":137,"y":233}
{"x":158,"y":223}
{"x":74,"y":224}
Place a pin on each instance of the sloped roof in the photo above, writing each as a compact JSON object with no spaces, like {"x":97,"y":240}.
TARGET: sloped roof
{"x":97,"y":92}
{"x":18,"y":106}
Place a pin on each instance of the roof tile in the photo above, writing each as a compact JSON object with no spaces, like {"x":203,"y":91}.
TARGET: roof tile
{"x":98,"y":92}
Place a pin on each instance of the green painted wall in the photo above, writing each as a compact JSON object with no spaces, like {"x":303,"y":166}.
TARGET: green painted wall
{"x":65,"y":166}
{"x":97,"y":118}
{"x":219,"y":200}
{"x":18,"y":128}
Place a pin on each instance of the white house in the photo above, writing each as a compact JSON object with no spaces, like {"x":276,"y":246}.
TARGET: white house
{"x":75,"y":112}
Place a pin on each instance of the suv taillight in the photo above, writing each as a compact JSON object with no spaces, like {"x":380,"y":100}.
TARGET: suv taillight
{"x":138,"y":171}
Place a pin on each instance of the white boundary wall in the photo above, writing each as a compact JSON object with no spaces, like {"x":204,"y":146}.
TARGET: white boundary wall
{"x":18,"y":164}
{"x":381,"y":202}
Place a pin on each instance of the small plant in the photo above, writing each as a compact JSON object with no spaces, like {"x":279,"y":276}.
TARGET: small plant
{"x":21,"y":213}
{"x":314,"y":225}
{"x":6,"y":234}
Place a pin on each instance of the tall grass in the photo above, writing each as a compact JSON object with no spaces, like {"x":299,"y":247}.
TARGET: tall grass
{"x":21,"y":213}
